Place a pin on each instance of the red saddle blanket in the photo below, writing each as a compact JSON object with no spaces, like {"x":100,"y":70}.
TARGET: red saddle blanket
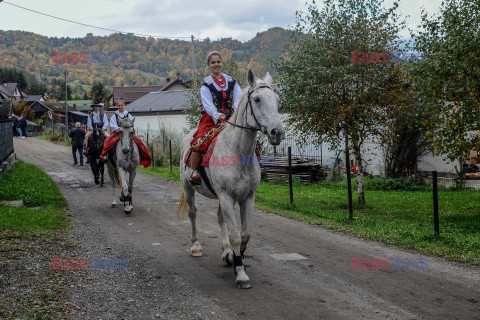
{"x":145,"y":157}
{"x":206,"y":156}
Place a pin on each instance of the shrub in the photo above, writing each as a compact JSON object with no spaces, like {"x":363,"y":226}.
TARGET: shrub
{"x":390,"y":184}
{"x":53,"y":135}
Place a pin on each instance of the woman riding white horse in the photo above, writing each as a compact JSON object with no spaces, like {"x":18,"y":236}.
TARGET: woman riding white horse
{"x":220,"y":96}
{"x":257,"y":110}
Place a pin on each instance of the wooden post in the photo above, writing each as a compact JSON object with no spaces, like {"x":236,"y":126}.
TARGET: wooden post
{"x":349,"y":179}
{"x":153,"y":159}
{"x":290,"y":174}
{"x":170,"y":147}
{"x":436,"y":225}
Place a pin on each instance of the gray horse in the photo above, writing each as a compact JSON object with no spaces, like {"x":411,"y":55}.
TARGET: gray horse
{"x":236,"y":177}
{"x":126,"y":158}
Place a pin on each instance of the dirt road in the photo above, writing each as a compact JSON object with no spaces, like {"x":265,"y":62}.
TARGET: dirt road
{"x":163,"y":281}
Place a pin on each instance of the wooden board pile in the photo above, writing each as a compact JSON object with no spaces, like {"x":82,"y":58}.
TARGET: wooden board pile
{"x":301,"y":168}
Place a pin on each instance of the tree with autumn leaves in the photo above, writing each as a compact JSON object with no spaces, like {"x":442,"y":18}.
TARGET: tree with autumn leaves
{"x":334,"y":79}
{"x":448,"y":78}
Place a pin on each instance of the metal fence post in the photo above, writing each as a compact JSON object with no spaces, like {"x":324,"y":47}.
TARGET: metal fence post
{"x":170,"y":147}
{"x":349,"y":179}
{"x":153,"y":159}
{"x":436,"y":225}
{"x":290,"y":174}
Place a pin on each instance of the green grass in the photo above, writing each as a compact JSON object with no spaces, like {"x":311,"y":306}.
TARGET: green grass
{"x":163,"y":172}
{"x":400,"y":218}
{"x":29,"y":183}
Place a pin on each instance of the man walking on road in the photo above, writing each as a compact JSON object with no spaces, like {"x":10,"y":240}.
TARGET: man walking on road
{"x":23,"y":125}
{"x":78,"y":136}
{"x":15,"y":125}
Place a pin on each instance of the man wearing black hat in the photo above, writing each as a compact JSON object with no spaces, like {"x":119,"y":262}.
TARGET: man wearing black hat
{"x":96,"y":118}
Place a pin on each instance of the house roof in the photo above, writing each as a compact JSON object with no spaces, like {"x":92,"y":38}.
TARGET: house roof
{"x":9,"y":89}
{"x":161,"y":101}
{"x":129,"y":94}
{"x":33,"y":98}
{"x":54,"y":106}
{"x":82,"y":105}
{"x":78,"y":113}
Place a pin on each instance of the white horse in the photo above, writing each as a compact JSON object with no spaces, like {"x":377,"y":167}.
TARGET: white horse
{"x":126,"y":157}
{"x":234,"y":171}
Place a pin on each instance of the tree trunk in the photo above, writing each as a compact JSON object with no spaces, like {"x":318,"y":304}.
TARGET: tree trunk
{"x":361,"y":193}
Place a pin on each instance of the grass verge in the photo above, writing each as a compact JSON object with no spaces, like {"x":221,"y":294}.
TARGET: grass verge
{"x":163,"y":172}
{"x":400,"y":218}
{"x":29,"y":236}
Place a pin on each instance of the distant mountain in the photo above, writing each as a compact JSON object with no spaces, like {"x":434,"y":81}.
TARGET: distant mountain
{"x":121,"y":59}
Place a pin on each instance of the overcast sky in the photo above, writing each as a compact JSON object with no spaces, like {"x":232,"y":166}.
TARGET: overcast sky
{"x":171,"y":18}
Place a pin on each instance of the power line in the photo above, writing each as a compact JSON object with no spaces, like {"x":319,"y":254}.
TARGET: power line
{"x":92,"y":26}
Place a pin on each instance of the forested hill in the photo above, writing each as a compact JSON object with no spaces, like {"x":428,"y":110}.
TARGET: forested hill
{"x":121,"y":59}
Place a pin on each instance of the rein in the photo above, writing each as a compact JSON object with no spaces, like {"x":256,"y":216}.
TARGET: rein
{"x":249,"y":102}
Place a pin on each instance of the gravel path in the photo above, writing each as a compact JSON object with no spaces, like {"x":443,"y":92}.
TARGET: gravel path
{"x":163,"y":281}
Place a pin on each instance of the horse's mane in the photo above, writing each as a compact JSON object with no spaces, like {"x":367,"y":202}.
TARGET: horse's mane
{"x":234,"y":117}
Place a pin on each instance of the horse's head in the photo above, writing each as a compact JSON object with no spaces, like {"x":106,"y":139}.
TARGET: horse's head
{"x":126,"y":132}
{"x":264,"y":107}
{"x":98,"y":136}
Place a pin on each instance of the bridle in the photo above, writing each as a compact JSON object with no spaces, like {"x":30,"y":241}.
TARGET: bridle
{"x":249,"y":103}
{"x":130,"y":146}
{"x":97,"y":134}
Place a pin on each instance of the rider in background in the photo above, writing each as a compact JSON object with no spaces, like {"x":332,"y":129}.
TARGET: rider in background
{"x":220,"y":97}
{"x":96,"y":117}
{"x":121,"y":113}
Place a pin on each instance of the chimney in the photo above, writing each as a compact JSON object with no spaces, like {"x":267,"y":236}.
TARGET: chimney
{"x":168,"y":80}
{"x":178,"y":75}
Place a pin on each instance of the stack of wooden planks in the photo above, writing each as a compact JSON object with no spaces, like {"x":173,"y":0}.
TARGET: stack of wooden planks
{"x":301,"y":168}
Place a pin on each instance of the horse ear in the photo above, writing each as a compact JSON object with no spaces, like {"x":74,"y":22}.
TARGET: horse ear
{"x":251,"y":78}
{"x":133,"y":120}
{"x":268,"y":79}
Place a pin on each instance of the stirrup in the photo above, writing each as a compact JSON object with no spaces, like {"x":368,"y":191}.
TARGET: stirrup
{"x":195,"y":179}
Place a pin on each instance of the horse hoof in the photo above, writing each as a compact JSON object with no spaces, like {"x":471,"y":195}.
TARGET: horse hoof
{"x":114,"y":205}
{"x":197,"y":253}
{"x":128,"y":211}
{"x":97,"y":181}
{"x":241,"y":284}
{"x":122,"y":198}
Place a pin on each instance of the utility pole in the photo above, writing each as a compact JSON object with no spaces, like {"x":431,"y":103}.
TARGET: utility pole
{"x":194,"y":62}
{"x":66,"y":108}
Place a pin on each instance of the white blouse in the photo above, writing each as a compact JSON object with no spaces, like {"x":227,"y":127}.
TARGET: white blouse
{"x":113,"y":119}
{"x":207,"y":99}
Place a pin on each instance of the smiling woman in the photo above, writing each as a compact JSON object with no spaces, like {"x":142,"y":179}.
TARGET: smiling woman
{"x":220,"y":96}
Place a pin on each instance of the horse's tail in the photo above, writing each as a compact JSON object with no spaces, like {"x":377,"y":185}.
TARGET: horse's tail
{"x":182,"y":206}
{"x":116,"y":177}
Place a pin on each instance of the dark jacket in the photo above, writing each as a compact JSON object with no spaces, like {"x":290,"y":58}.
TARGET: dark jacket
{"x":78,"y":136}
{"x":22,"y":122}
{"x":15,"y":121}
